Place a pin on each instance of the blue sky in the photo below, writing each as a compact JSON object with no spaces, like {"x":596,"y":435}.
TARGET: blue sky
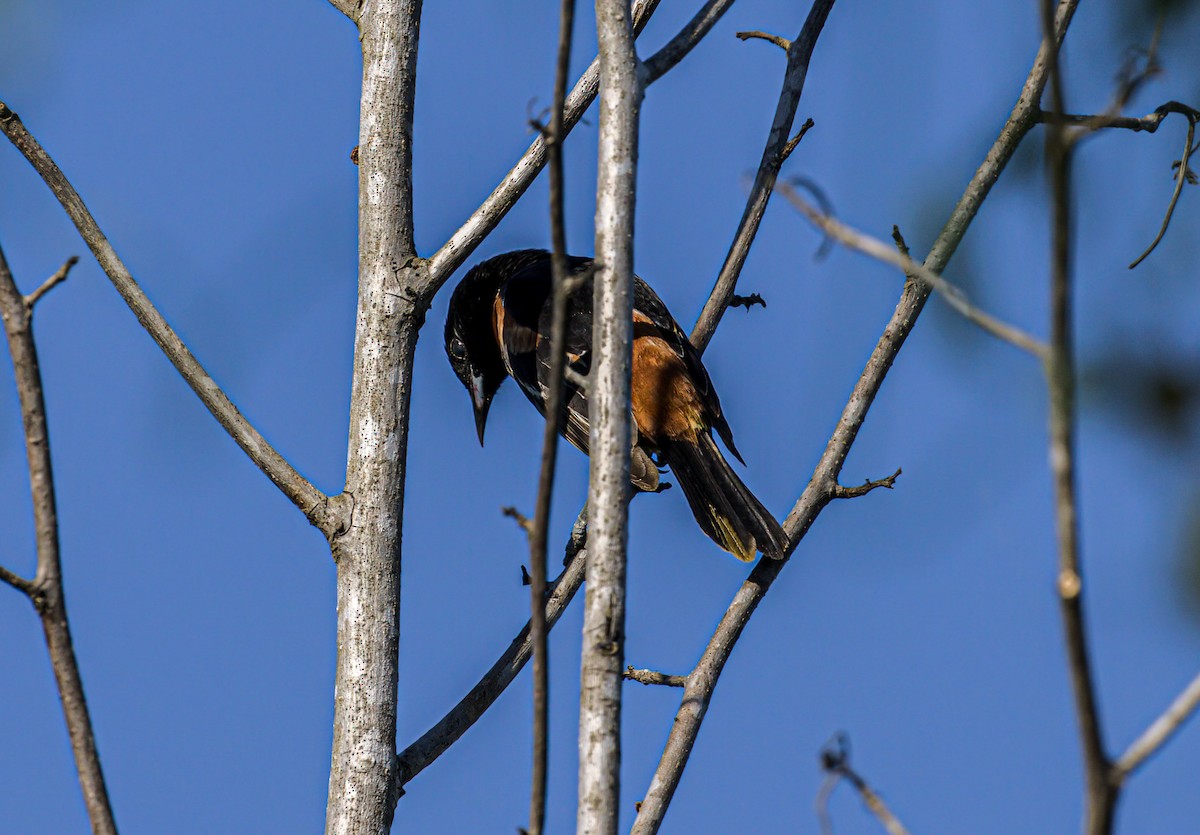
{"x":211,"y":141}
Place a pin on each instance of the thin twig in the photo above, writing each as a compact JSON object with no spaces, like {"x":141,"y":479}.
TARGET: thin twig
{"x":1180,"y":179}
{"x":835,"y":760}
{"x":840,"y":492}
{"x":45,"y":591}
{"x":325,"y":513}
{"x":1148,"y":123}
{"x":17,"y":581}
{"x":1060,"y":375}
{"x":539,"y":531}
{"x":1159,"y":733}
{"x":53,"y":281}
{"x":779,"y":41}
{"x":519,"y":517}
{"x":799,"y":54}
{"x":649,"y":677}
{"x":702,"y":681}
{"x":953,"y":295}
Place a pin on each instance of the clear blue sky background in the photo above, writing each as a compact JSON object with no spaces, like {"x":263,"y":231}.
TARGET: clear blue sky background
{"x":211,"y":141}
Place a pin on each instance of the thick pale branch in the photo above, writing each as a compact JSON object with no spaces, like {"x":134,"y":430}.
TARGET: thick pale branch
{"x":776,"y":150}
{"x":889,"y":255}
{"x":1159,"y":732}
{"x":316,"y":505}
{"x":703,"y":679}
{"x":609,"y":438}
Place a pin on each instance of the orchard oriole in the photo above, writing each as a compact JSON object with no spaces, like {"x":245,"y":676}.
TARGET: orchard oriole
{"x":499,"y":325}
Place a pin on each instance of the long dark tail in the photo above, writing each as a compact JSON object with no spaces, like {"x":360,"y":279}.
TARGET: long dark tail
{"x":725,"y":508}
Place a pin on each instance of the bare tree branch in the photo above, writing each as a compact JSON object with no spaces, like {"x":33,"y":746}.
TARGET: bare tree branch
{"x":1159,"y":732}
{"x":391,"y":309}
{"x":552,"y":137}
{"x":840,"y":492}
{"x":776,"y":150}
{"x":50,"y":283}
{"x":45,"y":591}
{"x":610,"y":437}
{"x":325,"y":513}
{"x":17,"y":581}
{"x":1149,"y":123}
{"x":703,"y":679}
{"x":1060,"y":375}
{"x":1180,"y":178}
{"x":879,"y":250}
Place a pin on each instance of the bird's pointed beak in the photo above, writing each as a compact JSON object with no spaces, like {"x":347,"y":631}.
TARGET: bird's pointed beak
{"x":481,"y":401}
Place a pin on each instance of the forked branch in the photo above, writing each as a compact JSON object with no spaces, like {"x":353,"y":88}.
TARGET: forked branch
{"x":45,"y":590}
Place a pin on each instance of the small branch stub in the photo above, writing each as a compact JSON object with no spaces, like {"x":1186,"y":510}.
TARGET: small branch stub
{"x":50,"y":283}
{"x":840,"y":492}
{"x":747,"y":301}
{"x":754,"y":34}
{"x":649,"y":677}
{"x":520,"y":518}
{"x":795,"y":140}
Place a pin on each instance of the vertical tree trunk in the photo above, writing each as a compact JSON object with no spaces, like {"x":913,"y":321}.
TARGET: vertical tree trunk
{"x":604,"y":613}
{"x":391,"y":309}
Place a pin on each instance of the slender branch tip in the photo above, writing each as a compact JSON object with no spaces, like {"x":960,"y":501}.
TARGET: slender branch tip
{"x":50,"y":283}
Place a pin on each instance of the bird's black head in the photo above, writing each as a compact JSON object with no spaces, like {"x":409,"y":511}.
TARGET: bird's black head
{"x":471,"y":339}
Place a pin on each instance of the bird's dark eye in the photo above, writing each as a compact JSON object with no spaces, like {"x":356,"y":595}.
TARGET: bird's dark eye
{"x":457,"y":349}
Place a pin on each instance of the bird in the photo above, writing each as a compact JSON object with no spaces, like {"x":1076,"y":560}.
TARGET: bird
{"x":498,"y":326}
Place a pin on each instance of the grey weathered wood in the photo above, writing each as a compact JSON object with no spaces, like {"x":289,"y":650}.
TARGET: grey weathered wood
{"x":362,"y":784}
{"x":602,"y":665}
